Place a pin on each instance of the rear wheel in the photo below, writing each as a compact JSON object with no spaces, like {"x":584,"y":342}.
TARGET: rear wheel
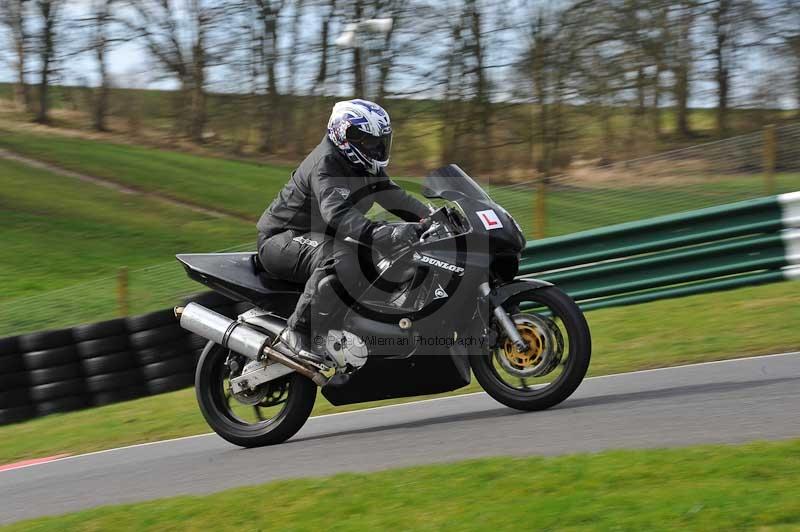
{"x":557,"y":357}
{"x":271,"y":414}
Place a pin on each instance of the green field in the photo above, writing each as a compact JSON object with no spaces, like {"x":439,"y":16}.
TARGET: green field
{"x":245,"y":188}
{"x":59,"y":231}
{"x":237,"y":187}
{"x":744,"y":487}
{"x":701,"y":328}
{"x":67,"y":239}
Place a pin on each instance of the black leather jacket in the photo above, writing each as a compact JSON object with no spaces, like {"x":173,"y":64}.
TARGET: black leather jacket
{"x":327,"y":194}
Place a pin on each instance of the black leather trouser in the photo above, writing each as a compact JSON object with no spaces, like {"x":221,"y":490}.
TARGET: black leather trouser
{"x":309,"y":258}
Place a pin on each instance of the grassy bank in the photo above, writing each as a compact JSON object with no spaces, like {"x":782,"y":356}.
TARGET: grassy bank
{"x":701,"y":328}
{"x":706,"y":488}
{"x":245,"y":188}
{"x":59,"y":231}
{"x":238,"y":187}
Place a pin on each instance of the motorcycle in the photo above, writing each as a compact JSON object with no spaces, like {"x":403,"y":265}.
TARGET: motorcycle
{"x":446,"y":307}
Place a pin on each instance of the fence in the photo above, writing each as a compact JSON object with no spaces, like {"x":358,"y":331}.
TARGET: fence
{"x":714,"y":173}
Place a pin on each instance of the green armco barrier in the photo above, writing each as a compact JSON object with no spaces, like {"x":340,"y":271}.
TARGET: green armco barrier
{"x":718,"y":248}
{"x":727,"y":283}
{"x":761,"y":215}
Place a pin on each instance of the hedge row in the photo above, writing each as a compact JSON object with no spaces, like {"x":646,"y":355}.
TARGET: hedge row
{"x":100,"y":363}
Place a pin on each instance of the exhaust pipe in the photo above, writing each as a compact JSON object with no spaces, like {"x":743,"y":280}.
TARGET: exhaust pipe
{"x":237,"y":337}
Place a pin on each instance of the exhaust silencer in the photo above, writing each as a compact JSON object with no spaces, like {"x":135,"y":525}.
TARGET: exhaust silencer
{"x":223,"y":331}
{"x":237,"y":337}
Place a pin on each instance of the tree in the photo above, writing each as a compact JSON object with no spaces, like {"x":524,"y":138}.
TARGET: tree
{"x":267,"y":14}
{"x":13,"y":16}
{"x":49,"y":10}
{"x":731,"y":23}
{"x":681,"y":52}
{"x":787,"y":32}
{"x":324,"y":47}
{"x":178,"y":36}
{"x":99,"y":45}
{"x":545,"y":66}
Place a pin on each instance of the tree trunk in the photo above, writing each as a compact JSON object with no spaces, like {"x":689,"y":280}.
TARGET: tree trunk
{"x":48,"y":10}
{"x":795,"y":48}
{"x":322,"y":71}
{"x":100,"y":104}
{"x":481,"y":89}
{"x":449,"y":107}
{"x":197,"y":107}
{"x":269,"y":57}
{"x":16,"y":24}
{"x":682,"y":68}
{"x":289,"y":110}
{"x":199,"y":116}
{"x":657,"y":102}
{"x":101,"y":94}
{"x":722,"y":72}
{"x":387,"y":58}
{"x":359,"y":68}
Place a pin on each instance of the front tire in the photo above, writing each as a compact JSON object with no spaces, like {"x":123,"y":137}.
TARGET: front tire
{"x":543,"y":391}
{"x":285,"y":414}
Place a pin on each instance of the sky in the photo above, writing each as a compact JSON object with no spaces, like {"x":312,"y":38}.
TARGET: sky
{"x":131,"y":67}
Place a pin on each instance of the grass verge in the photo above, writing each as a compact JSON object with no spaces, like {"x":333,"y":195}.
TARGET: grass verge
{"x":716,"y":326}
{"x":751,"y":486}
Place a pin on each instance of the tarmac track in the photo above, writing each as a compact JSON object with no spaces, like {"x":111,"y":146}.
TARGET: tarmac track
{"x":721,"y":402}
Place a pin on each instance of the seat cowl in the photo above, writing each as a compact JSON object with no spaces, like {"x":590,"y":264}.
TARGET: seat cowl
{"x":233,"y":273}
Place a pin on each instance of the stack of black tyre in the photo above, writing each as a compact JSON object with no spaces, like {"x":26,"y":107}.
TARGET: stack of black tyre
{"x":101,"y":363}
{"x":109,"y":367}
{"x":161,"y":350}
{"x":15,"y":396}
{"x":55,"y":373}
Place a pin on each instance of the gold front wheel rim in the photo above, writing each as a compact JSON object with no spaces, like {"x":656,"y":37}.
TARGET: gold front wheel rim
{"x":530,"y":357}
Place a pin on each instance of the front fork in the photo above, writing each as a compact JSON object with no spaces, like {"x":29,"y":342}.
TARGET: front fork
{"x":505,"y":322}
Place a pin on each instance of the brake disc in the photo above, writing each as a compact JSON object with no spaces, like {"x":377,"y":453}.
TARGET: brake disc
{"x":544,"y":352}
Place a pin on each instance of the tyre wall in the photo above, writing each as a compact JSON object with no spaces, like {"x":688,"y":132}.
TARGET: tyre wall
{"x":101,"y":363}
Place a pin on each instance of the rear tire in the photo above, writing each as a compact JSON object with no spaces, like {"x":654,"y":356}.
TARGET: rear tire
{"x":209,"y":387}
{"x":574,"y":368}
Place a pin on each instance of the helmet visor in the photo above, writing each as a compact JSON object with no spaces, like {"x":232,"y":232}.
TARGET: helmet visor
{"x":377,"y":148}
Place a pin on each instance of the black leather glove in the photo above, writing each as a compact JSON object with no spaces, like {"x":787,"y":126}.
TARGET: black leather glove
{"x":391,"y":238}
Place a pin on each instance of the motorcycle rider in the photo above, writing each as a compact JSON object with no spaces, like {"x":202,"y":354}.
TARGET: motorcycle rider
{"x":302,"y":233}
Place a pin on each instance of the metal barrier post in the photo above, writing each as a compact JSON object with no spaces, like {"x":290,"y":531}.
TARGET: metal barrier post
{"x":540,"y":228}
{"x":770,"y":150}
{"x":122,"y":291}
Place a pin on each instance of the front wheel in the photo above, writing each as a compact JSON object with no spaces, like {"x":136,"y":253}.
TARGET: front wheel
{"x":270,"y":414}
{"x":557,"y":357}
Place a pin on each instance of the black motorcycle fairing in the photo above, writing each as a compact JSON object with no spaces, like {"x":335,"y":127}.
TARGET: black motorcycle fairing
{"x":487,"y":219}
{"x":451,"y":183}
{"x":506,"y":291}
{"x":388,"y":378}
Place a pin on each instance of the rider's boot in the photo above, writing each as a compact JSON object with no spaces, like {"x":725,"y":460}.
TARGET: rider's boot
{"x":298,"y":343}
{"x":309,"y":352}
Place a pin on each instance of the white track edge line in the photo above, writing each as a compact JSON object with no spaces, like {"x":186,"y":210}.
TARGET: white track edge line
{"x":383,"y":407}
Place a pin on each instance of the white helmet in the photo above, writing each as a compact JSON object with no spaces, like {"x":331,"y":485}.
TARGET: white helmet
{"x":363,"y":133}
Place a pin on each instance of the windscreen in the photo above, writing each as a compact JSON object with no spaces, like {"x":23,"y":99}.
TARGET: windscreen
{"x":442,"y":182}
